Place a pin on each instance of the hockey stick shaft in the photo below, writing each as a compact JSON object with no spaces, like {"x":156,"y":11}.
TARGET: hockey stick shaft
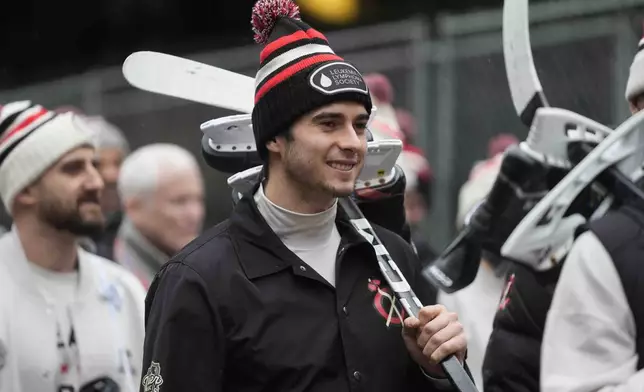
{"x":396,"y":280}
{"x":525,"y":86}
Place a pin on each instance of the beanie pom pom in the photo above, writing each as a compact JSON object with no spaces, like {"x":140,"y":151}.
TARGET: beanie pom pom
{"x":380,"y":87}
{"x":267,"y":12}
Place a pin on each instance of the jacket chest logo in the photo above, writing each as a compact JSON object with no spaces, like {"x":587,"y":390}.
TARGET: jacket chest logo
{"x":385,"y":303}
{"x":152,"y":380}
{"x":505,"y":300}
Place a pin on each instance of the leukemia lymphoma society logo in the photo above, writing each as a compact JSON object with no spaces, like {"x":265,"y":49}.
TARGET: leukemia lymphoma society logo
{"x":337,"y":78}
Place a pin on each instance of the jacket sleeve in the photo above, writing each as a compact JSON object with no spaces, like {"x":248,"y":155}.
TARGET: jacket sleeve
{"x":184,"y":344}
{"x":590,"y":337}
{"x":5,"y":371}
{"x":9,"y":378}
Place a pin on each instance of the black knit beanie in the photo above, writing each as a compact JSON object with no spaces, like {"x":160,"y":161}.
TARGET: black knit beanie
{"x":298,"y":72}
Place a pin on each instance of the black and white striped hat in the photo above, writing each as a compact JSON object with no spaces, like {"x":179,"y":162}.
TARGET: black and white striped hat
{"x":32,"y":139}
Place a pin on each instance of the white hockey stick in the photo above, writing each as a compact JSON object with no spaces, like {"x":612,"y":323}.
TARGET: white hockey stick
{"x":545,"y":225}
{"x":178,"y":77}
{"x":551,"y":130}
{"x":548,"y":135}
{"x":190,"y":80}
{"x":525,"y":87}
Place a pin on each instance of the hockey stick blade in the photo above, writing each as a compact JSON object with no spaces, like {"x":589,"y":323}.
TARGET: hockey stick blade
{"x":525,"y":87}
{"x":190,"y":80}
{"x":545,"y":224}
{"x":178,"y":77}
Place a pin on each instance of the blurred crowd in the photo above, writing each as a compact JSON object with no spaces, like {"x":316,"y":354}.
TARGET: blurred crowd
{"x":110,"y":280}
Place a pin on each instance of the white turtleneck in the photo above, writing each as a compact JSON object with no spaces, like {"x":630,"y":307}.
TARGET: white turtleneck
{"x":314,"y":238}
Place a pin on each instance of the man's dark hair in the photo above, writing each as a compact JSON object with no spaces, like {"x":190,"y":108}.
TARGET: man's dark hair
{"x":288,"y":136}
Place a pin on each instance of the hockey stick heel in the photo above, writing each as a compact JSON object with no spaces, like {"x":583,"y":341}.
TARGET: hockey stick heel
{"x":396,"y":280}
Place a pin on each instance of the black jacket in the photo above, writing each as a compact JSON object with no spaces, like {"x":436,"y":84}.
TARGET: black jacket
{"x":237,"y":311}
{"x":513,"y":355}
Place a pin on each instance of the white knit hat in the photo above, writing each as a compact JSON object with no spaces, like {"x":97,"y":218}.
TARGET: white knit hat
{"x":635,"y":84}
{"x":32,"y":139}
{"x":479,"y":184}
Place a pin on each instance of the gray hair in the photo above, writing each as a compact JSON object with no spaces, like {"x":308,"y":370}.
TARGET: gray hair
{"x":140,"y":172}
{"x":106,"y":134}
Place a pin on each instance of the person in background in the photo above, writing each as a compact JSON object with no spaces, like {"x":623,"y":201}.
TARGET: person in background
{"x":384,"y":125}
{"x":69,"y":320}
{"x":391,"y":123}
{"x":418,"y":176}
{"x":478,"y":302}
{"x":417,"y":204}
{"x":511,"y":361}
{"x":162,"y":192}
{"x":408,"y":125}
{"x":112,"y":149}
{"x":484,"y":172}
{"x":593,"y":337}
{"x":420,"y":180}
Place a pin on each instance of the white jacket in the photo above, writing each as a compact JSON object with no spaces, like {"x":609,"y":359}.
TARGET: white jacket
{"x":590,"y":336}
{"x":108,"y":323}
{"x":476,"y":306}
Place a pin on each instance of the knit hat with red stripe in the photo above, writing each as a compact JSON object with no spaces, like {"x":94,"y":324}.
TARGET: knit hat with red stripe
{"x":298,"y":73}
{"x":32,"y":139}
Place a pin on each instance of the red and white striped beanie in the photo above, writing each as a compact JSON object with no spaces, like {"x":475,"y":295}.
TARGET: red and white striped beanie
{"x":32,"y":139}
{"x":298,"y":71}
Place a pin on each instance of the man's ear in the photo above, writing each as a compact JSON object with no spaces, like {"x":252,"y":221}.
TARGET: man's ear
{"x":132,"y":205}
{"x":275,"y":145}
{"x":27,"y":196}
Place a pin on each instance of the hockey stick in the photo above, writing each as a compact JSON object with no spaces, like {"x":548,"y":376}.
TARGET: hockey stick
{"x":457,"y":266}
{"x":549,"y":136}
{"x":544,"y":231}
{"x":190,"y":80}
{"x":525,"y":87}
{"x":552,"y":130}
{"x":624,"y":148}
{"x":178,"y":77}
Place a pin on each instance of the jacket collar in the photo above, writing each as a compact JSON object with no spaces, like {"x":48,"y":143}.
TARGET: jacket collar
{"x":19,"y":267}
{"x":255,"y":239}
{"x":144,"y":250}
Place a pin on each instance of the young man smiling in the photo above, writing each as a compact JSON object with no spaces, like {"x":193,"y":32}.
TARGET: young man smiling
{"x":285,"y":295}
